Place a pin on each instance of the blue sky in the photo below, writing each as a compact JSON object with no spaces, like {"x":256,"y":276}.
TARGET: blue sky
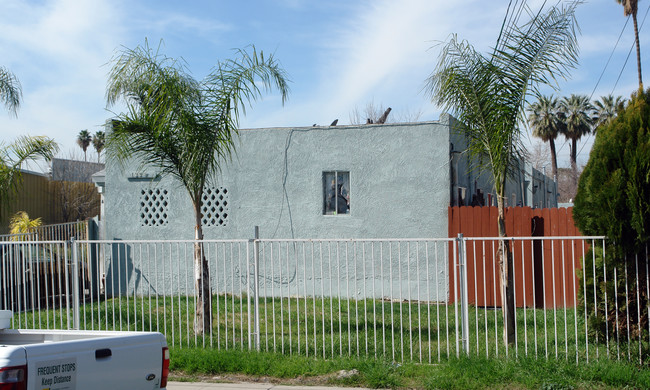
{"x":339,"y":54}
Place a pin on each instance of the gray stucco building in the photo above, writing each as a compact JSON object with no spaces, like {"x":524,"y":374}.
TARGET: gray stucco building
{"x":367,"y":181}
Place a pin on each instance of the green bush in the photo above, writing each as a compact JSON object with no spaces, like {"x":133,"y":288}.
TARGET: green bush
{"x":614,"y":200}
{"x":614,"y":191}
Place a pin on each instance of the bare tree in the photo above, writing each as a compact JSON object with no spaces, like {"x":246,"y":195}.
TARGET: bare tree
{"x":539,"y":155}
{"x":74,"y":196}
{"x":77,"y":201}
{"x":371,"y":113}
{"x":378,"y":114}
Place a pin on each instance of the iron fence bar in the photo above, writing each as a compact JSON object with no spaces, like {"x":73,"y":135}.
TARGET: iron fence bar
{"x":584,"y":285}
{"x":647,"y":283}
{"x":566,"y":331}
{"x":618,"y":351}
{"x":164,"y":262}
{"x":627,"y":307}
{"x":638,"y":300}
{"x":75,"y":282}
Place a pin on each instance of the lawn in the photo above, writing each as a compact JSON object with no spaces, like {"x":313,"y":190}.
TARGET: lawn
{"x":330,"y":327}
{"x":198,"y":364}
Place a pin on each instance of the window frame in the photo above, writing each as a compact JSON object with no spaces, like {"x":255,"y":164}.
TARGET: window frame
{"x":329,"y":192}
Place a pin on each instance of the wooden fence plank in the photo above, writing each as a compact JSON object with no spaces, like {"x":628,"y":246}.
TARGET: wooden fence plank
{"x":544,"y":270}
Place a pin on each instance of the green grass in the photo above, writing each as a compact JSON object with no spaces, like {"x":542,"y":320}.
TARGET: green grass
{"x":464,"y":373}
{"x":330,"y":328}
{"x":386,"y":342}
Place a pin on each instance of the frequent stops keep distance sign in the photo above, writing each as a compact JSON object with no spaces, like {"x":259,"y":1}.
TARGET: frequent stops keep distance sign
{"x":58,"y":374}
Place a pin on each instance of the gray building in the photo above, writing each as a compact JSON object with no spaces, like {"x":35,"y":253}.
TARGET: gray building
{"x":366,"y":181}
{"x":73,"y":170}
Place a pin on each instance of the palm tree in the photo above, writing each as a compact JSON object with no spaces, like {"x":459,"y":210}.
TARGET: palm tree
{"x":631,"y":7}
{"x":546,"y":121}
{"x":98,"y":143}
{"x":12,"y":156}
{"x":83,"y":140}
{"x":21,"y":225}
{"x":606,"y":109}
{"x":25,"y":148}
{"x":185,"y":127}
{"x":10,"y":90}
{"x":578,"y":119}
{"x":487,"y":94}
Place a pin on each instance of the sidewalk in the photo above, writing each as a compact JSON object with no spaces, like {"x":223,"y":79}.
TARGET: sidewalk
{"x":242,"y":386}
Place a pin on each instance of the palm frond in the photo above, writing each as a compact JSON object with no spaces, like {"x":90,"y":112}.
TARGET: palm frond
{"x":184,"y":128}
{"x":13,"y":155}
{"x":488,"y":93}
{"x":10,"y":90}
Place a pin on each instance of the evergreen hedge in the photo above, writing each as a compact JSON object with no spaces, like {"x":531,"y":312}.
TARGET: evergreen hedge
{"x":613,"y":199}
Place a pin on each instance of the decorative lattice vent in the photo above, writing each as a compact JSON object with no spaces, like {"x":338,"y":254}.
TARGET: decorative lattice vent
{"x":154,"y":207}
{"x":215,"y":208}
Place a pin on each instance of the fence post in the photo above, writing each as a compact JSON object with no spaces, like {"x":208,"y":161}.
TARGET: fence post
{"x":75,"y":283}
{"x":462,"y":284}
{"x":255,"y":286}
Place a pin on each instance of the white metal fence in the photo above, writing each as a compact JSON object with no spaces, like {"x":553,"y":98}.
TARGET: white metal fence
{"x":421,"y":300}
{"x":78,"y":230}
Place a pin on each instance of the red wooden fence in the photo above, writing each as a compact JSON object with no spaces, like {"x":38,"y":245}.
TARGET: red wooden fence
{"x":545,"y":270}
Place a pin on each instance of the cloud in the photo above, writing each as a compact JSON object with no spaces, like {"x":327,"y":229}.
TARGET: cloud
{"x":382,"y":51}
{"x":164,"y":23}
{"x":57,"y":49}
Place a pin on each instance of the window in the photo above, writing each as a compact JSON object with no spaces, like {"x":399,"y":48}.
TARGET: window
{"x":154,"y":207}
{"x":336,"y":193}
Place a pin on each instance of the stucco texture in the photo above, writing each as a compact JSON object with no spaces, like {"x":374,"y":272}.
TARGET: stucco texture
{"x":399,"y":186}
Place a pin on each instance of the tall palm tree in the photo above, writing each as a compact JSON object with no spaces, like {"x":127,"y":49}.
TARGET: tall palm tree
{"x":10,"y":90}
{"x":606,"y":108}
{"x":83,"y":140}
{"x":185,"y":127}
{"x":13,"y":155}
{"x":578,"y":119}
{"x":487,"y":94}
{"x":98,"y":143}
{"x":547,"y":123}
{"x":630,"y":8}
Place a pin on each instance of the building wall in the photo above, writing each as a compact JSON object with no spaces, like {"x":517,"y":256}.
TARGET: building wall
{"x":73,"y":170}
{"x":525,"y":187}
{"x":399,"y":186}
{"x":402,"y":179}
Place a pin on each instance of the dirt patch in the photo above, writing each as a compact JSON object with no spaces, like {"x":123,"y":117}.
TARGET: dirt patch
{"x":319,"y":380}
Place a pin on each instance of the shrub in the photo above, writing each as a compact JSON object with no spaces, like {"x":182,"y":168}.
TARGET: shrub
{"x":614,"y":200}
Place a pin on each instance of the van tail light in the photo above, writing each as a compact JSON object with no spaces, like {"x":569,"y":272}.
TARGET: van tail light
{"x":165,"y":368}
{"x":13,"y":378}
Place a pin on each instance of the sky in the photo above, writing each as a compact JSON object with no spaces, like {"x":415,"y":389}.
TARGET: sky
{"x":339,"y":54}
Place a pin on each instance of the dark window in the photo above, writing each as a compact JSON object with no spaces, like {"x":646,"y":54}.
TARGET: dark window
{"x":336,"y":193}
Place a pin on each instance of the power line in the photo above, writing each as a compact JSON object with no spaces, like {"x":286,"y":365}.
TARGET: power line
{"x":620,"y":73}
{"x":609,"y":59}
{"x":631,"y":48}
{"x":602,"y":73}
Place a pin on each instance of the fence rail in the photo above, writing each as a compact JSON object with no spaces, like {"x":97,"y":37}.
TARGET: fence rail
{"x":78,"y":230}
{"x":422,"y":300}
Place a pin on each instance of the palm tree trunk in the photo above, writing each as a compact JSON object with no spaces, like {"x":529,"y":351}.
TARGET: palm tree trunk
{"x":506,"y":268}
{"x":203,"y":318}
{"x":638,"y":51}
{"x":574,"y":164}
{"x":551,"y":143}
